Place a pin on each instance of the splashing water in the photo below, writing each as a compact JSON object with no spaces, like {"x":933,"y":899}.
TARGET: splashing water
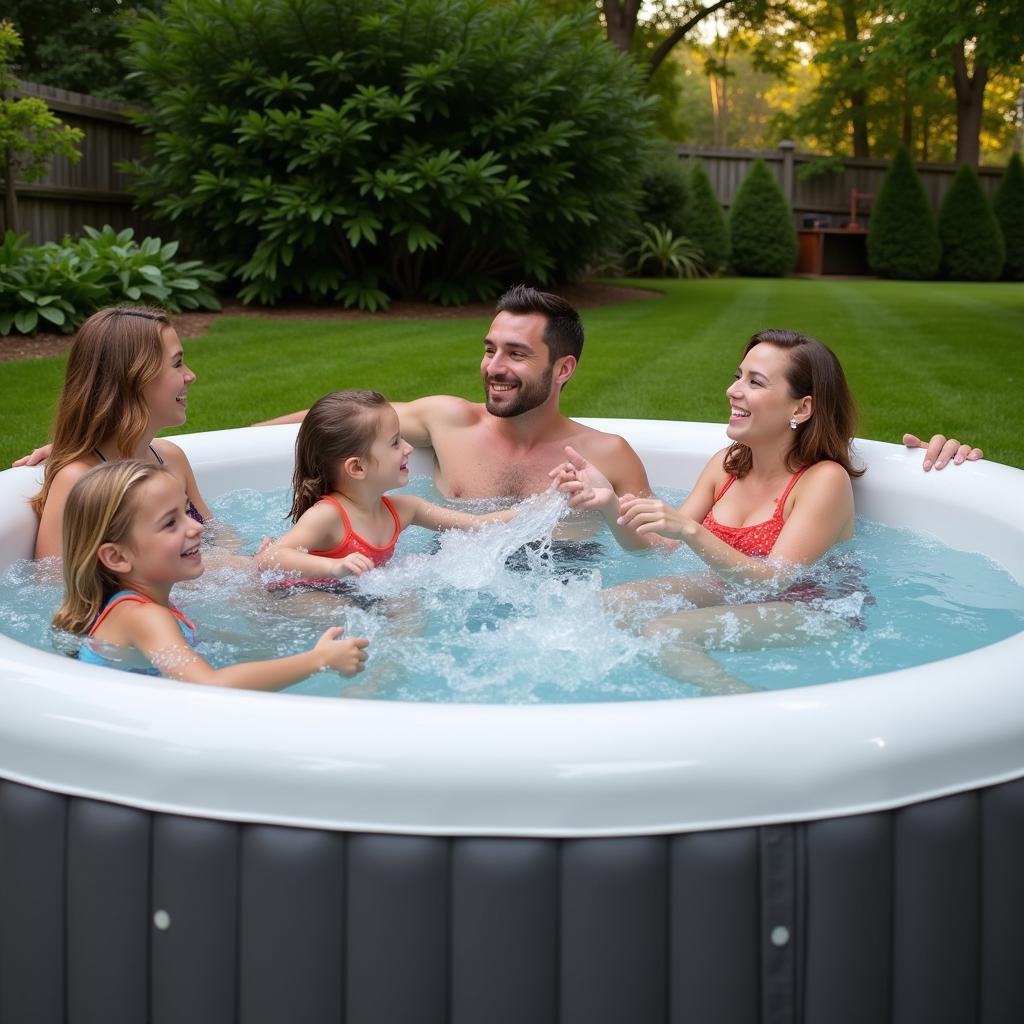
{"x":510,"y":613}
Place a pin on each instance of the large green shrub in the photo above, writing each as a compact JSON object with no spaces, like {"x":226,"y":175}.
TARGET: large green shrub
{"x":664,"y":192}
{"x":704,"y":223}
{"x":972,"y":244}
{"x":58,"y":286}
{"x":359,"y":149}
{"x":902,"y":238}
{"x":1008,"y":205}
{"x":761,"y":233}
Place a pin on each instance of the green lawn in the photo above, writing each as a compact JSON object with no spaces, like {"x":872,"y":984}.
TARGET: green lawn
{"x":920,"y":356}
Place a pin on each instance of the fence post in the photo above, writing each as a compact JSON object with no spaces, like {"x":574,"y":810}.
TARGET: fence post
{"x":786,"y":147}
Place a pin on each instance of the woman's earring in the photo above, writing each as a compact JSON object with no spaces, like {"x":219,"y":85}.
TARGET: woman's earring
{"x":792,"y":424}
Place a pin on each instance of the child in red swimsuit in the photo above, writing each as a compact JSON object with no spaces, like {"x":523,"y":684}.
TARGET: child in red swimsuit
{"x":348,"y":453}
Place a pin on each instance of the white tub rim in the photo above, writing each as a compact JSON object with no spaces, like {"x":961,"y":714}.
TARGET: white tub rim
{"x":553,"y":770}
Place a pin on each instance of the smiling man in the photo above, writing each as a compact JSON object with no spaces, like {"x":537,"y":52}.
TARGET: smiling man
{"x":507,"y":446}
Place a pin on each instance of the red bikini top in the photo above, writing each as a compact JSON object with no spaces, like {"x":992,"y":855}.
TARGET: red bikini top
{"x":758,"y":539}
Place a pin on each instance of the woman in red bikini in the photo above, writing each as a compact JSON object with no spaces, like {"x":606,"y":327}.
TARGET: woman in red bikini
{"x":348,"y":453}
{"x":776,"y":499}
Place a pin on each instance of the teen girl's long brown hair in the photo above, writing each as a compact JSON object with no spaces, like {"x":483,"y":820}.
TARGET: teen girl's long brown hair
{"x":116,"y":353}
{"x":342,"y":425}
{"x":100,"y":510}
{"x":814,"y":370}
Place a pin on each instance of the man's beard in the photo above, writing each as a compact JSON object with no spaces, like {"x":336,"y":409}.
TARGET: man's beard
{"x":527,"y":397}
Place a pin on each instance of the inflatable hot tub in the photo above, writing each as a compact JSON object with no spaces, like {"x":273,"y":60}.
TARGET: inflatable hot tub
{"x":846,"y":852}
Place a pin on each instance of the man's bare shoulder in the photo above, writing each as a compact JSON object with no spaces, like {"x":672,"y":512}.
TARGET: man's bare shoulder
{"x":447,"y":409}
{"x":592,"y":442}
{"x":614,"y":456}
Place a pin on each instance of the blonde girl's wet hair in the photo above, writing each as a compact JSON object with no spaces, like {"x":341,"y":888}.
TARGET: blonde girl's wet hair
{"x":340,"y":426}
{"x":100,"y":510}
{"x":115,"y":355}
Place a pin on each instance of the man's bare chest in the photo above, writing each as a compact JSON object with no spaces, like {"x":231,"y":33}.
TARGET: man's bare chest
{"x":475,"y":466}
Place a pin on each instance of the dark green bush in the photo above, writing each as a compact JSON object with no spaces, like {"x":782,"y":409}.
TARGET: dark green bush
{"x":972,"y":244}
{"x":359,"y":149}
{"x":902,"y":238}
{"x":761,"y":233}
{"x":1008,"y":205}
{"x":664,"y":192}
{"x":705,"y":223}
{"x":58,"y":286}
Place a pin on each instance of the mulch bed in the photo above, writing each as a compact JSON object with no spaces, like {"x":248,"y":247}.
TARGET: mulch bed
{"x":195,"y":325}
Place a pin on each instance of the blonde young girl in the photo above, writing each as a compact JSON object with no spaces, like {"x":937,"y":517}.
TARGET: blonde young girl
{"x":128,"y":538}
{"x":349,"y":451}
{"x":126,"y":380}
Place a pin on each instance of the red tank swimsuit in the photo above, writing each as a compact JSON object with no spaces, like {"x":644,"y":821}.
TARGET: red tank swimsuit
{"x":758,"y":539}
{"x":352,"y":543}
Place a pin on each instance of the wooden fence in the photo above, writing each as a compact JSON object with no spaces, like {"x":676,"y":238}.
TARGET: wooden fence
{"x":94,"y":192}
{"x":91,"y":192}
{"x":824,"y":197}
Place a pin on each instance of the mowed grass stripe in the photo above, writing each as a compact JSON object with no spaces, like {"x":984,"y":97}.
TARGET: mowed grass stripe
{"x":920,"y":356}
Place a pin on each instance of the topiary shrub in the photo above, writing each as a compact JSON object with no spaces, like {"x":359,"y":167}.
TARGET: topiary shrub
{"x":761,"y":233}
{"x":354,"y":150}
{"x":664,"y":192}
{"x":902,"y":239}
{"x":972,"y":244}
{"x":1008,"y":206}
{"x":704,"y":223}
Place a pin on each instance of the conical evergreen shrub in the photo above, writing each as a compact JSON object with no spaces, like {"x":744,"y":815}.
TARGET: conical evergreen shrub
{"x":972,"y":244}
{"x":704,"y":222}
{"x":664,"y":192}
{"x":1008,"y":206}
{"x":902,"y":239}
{"x":761,"y":233}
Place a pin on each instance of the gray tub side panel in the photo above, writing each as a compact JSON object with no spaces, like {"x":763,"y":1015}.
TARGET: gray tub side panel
{"x":893,"y":918}
{"x":32,"y":901}
{"x":195,"y":956}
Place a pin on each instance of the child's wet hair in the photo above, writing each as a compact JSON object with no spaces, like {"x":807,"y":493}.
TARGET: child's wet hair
{"x":342,"y":425}
{"x":100,"y":510}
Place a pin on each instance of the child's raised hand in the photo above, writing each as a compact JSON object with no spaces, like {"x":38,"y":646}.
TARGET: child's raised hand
{"x":353,"y":565}
{"x":345,"y":656}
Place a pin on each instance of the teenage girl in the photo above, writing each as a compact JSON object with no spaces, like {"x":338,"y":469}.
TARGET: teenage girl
{"x":348,"y":453}
{"x":128,"y":538}
{"x":776,"y":499}
{"x":126,"y":380}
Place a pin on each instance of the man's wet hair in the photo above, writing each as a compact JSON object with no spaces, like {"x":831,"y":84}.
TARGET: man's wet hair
{"x":563,"y":334}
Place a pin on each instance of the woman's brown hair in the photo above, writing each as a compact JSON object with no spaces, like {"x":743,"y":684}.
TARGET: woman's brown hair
{"x":116,"y":354}
{"x":342,"y":425}
{"x":100,"y":510}
{"x":813,"y":369}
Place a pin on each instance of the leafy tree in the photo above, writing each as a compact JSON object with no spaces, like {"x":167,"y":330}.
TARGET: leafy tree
{"x":761,"y":233}
{"x":674,"y":20}
{"x":969,"y":38}
{"x":77,"y":44}
{"x":902,"y":239}
{"x":704,"y":223}
{"x":972,"y":244}
{"x":357,"y":150}
{"x":1008,"y":205}
{"x":30,"y":136}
